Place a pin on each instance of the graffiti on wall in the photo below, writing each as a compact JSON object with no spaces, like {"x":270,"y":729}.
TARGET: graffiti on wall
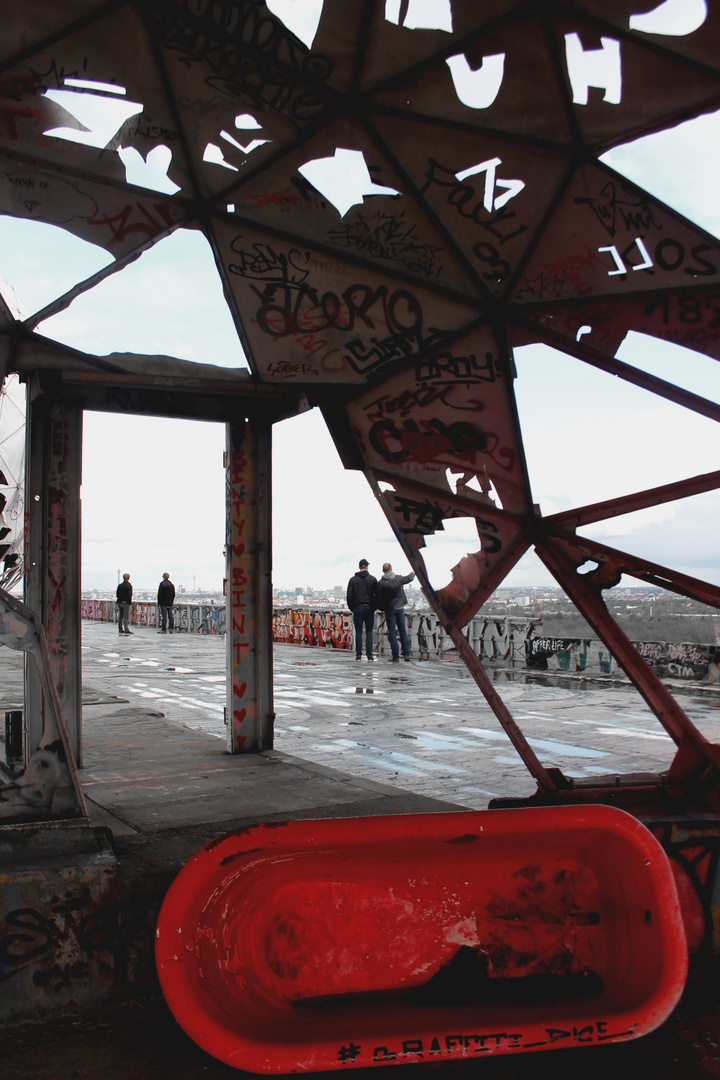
{"x":678,"y":661}
{"x":669,"y":660}
{"x":500,"y":639}
{"x":201,"y":618}
{"x":568,"y":654}
{"x":323,"y":629}
{"x":69,"y":944}
{"x":694,"y":853}
{"x":515,"y":641}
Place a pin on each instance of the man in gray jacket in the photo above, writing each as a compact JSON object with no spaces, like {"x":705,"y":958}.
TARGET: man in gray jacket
{"x":392,"y":600}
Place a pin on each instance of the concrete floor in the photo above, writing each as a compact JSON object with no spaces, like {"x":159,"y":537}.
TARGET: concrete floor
{"x":421,"y":728}
{"x":352,"y":740}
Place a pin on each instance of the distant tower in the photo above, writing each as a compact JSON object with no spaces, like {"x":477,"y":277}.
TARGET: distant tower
{"x":194,"y":585}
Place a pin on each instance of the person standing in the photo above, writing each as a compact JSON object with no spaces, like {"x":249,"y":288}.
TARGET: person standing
{"x":392,"y":600}
{"x":361,"y":592}
{"x":124,"y":599}
{"x":166,"y":599}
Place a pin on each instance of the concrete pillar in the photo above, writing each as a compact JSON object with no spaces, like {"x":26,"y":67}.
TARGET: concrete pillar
{"x":250,"y":714}
{"x":52,"y":582}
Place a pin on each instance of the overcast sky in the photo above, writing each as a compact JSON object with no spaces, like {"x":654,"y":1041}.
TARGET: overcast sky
{"x":153,"y":490}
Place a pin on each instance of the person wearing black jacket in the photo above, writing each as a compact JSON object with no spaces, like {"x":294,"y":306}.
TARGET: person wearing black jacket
{"x":361,"y":592}
{"x":166,"y":599}
{"x":123,"y":596}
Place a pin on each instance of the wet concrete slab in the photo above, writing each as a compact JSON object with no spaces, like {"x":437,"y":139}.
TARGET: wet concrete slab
{"x":345,"y":732}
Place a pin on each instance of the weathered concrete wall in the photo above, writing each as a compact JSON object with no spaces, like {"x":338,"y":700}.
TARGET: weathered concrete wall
{"x":514,"y":641}
{"x":200,"y":618}
{"x":60,"y":932}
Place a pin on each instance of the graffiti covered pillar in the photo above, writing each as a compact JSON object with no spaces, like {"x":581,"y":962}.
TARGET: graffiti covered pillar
{"x":52,"y":581}
{"x":249,"y":588}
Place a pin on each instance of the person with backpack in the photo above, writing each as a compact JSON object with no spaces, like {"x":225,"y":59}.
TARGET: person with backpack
{"x":392,"y":600}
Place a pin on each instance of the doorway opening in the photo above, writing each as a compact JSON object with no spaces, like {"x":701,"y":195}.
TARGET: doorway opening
{"x":153,"y":502}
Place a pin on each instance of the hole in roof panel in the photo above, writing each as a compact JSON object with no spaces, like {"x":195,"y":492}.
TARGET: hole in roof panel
{"x":600,"y":68}
{"x":301,"y":17}
{"x":99,"y":120}
{"x":89,"y":84}
{"x":672,"y":18}
{"x":99,"y":117}
{"x":477,"y":87}
{"x":491,"y":201}
{"x":246,"y":122}
{"x":214,"y":155}
{"x":446,"y":548}
{"x":343,"y":179}
{"x":245,"y":149}
{"x":465,"y":483}
{"x":169,"y":302}
{"x":420,"y":14}
{"x":150,"y":172}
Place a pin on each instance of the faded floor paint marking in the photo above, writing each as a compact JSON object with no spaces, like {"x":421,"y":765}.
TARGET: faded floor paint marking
{"x":566,"y":749}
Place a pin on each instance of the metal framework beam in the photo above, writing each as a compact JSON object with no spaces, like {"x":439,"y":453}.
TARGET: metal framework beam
{"x":680,"y":729}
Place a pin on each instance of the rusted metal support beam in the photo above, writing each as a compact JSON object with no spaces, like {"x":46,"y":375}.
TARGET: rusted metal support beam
{"x":632,"y":375}
{"x":496,"y":703}
{"x":680,"y":729}
{"x":52,"y":582}
{"x":544,"y":780}
{"x":249,"y":712}
{"x":639,"y":500}
{"x":642,"y":569}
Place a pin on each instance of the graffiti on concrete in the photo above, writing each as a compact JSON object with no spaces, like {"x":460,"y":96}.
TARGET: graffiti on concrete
{"x":694,"y":853}
{"x":514,"y":641}
{"x":323,"y":629}
{"x":500,"y":639}
{"x":74,"y":942}
{"x":200,"y":618}
{"x":568,"y":654}
{"x":678,"y":661}
{"x":56,"y":942}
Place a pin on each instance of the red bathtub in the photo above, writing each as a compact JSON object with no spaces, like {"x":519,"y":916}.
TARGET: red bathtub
{"x":315,"y":945}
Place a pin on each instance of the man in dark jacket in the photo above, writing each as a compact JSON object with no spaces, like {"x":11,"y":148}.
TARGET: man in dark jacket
{"x":123,"y":596}
{"x":166,"y":599}
{"x":392,"y":600}
{"x":361,"y":601}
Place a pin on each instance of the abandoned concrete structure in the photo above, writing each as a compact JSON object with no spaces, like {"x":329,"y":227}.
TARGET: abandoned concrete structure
{"x":391,"y":210}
